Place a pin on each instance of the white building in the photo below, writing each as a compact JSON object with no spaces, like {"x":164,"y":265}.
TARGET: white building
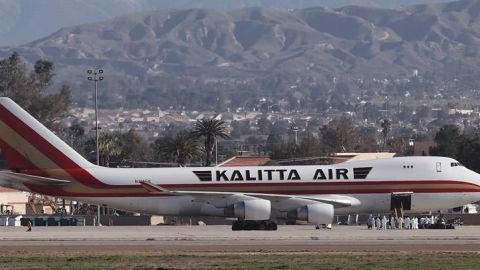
{"x":13,"y":201}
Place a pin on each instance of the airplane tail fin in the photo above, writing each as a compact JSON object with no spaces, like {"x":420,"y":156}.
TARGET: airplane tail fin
{"x":29,"y":146}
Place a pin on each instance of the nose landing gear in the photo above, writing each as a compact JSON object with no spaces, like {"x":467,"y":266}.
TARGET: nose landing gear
{"x":254,"y":225}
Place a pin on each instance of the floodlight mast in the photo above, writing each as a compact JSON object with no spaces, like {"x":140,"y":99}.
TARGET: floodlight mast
{"x":95,"y":77}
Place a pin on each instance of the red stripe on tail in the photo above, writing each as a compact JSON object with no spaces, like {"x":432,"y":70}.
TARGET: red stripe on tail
{"x":47,"y":149}
{"x":36,"y":140}
{"x":17,"y":162}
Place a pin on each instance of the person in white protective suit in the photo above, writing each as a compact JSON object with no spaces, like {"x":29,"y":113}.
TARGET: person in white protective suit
{"x":407,"y":223}
{"x":378,"y":223}
{"x":392,"y":223}
{"x":372,"y":220}
{"x":384,"y":223}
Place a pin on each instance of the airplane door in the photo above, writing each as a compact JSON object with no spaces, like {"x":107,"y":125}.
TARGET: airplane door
{"x":439,"y":167}
{"x":401,"y":201}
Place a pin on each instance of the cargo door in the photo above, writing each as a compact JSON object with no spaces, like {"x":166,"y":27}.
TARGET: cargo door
{"x":401,"y":201}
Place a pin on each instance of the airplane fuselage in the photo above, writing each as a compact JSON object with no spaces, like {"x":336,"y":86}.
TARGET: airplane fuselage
{"x":431,"y":183}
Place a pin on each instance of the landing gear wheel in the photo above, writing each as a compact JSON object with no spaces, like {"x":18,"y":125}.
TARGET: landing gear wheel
{"x":272,"y":226}
{"x":254,"y":225}
{"x":238,"y":225}
{"x":262,"y":226}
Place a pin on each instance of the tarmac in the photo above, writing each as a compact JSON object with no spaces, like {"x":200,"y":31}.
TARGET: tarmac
{"x":218,"y":238}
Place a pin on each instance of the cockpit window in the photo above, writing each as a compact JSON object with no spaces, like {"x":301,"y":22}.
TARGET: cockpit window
{"x":455,"y":164}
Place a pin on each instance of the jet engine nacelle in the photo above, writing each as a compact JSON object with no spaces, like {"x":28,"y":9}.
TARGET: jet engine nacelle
{"x":318,"y":213}
{"x":250,"y":210}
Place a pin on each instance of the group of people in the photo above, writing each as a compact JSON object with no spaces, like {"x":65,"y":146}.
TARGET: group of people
{"x":392,"y":223}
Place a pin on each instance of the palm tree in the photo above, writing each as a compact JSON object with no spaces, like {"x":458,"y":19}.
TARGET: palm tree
{"x":109,"y":146}
{"x":182,"y":148}
{"x":210,"y":129}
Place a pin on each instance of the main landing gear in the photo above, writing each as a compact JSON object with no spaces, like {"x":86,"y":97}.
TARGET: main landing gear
{"x":254,"y":225}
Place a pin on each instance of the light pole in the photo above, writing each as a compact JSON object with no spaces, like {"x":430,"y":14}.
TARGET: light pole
{"x":95,"y":76}
{"x":216,"y":150}
{"x":295,"y":130}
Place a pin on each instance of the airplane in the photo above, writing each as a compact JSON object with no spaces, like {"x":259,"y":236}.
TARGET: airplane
{"x":258,"y":197}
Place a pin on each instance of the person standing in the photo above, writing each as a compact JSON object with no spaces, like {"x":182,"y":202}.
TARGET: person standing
{"x":378,"y":223}
{"x":408,"y":223}
{"x":392,"y":223}
{"x":29,"y":226}
{"x":384,"y":223}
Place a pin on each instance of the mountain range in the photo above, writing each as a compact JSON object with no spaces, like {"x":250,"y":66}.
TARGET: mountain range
{"x":23,"y":21}
{"x":205,"y":45}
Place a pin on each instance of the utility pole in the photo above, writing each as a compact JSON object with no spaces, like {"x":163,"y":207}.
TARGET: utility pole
{"x":95,"y":76}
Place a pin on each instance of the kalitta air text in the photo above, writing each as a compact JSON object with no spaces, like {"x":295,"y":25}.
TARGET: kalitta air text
{"x":281,"y":174}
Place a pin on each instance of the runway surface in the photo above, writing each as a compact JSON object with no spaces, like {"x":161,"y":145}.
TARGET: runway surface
{"x":221,"y":238}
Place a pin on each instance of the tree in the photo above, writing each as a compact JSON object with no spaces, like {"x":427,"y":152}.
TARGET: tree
{"x":284,"y":150}
{"x":468,"y":152}
{"x":109,"y":146}
{"x":339,"y":134}
{"x":116,"y":148}
{"x":134,"y":147}
{"x":274,"y":140}
{"x":398,"y":145}
{"x":365,"y":140}
{"x":75,"y":133}
{"x":447,"y":140}
{"x":240,"y":128}
{"x":210,"y":129}
{"x":28,"y":89}
{"x":342,"y":135}
{"x":310,"y":147}
{"x":264,"y":125}
{"x":182,"y":148}
{"x":385,"y":131}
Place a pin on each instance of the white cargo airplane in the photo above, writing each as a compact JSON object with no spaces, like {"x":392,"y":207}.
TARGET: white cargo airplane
{"x":41,"y":162}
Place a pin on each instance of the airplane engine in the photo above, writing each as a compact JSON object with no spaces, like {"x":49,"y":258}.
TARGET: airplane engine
{"x":318,"y":213}
{"x":250,"y":210}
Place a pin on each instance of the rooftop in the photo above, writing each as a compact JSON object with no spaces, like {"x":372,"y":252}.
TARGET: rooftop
{"x":245,"y":161}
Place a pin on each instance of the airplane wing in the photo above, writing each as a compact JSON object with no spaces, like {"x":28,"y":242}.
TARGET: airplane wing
{"x":18,"y":180}
{"x":222,"y":198}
